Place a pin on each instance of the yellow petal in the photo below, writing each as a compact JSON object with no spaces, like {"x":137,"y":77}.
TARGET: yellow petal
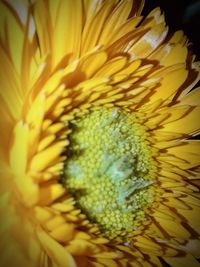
{"x":44,"y":158}
{"x":146,"y":243}
{"x":158,"y":120}
{"x":189,"y":124}
{"x":54,"y":222}
{"x":173,"y":228}
{"x":175,"y":113}
{"x":147,"y":43}
{"x":192,"y":80}
{"x":46,"y":141}
{"x":10,"y":95}
{"x":188,"y":151}
{"x":178,"y":37}
{"x":63,"y":233}
{"x":116,"y":19}
{"x":6,"y":128}
{"x":82,"y":247}
{"x":155,"y":261}
{"x":68,"y":13}
{"x":170,"y":54}
{"x":63,"y":207}
{"x":42,"y":214}
{"x":94,"y":26}
{"x":192,"y":98}
{"x":29,"y":191}
{"x":107,"y":262}
{"x":125,"y":28}
{"x":192,"y":217}
{"x":177,"y":203}
{"x":34,"y":118}
{"x":49,"y":193}
{"x":93,"y":63}
{"x":191,"y":200}
{"x":109,"y":255}
{"x":18,"y":161}
{"x":55,"y":251}
{"x":130,"y":68}
{"x":11,"y":35}
{"x":170,"y":83}
{"x":193,"y":247}
{"x":185,"y":261}
{"x":112,"y":66}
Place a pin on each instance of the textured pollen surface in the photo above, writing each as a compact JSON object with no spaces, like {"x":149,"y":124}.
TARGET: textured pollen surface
{"x":108,"y":170}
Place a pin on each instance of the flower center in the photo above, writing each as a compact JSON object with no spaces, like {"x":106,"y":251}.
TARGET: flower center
{"x":108,"y":170}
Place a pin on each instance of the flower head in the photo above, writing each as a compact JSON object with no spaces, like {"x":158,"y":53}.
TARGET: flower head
{"x":98,"y":167}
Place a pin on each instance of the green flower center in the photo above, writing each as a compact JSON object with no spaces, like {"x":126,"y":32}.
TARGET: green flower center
{"x":108,"y":170}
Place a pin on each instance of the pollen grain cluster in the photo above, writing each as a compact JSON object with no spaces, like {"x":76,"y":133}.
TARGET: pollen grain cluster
{"x":108,"y":170}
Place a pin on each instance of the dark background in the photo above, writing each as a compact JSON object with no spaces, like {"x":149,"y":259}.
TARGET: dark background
{"x":180,"y":14}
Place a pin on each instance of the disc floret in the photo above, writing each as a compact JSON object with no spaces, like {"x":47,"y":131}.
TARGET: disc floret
{"x":108,"y":170}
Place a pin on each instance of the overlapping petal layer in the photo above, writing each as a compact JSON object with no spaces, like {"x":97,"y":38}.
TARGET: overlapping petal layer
{"x":60,"y":60}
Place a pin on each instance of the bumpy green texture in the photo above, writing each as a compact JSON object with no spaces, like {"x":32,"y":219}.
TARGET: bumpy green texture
{"x":109,"y":170}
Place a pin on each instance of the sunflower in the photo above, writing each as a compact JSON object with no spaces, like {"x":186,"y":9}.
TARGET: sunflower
{"x":98,"y":164}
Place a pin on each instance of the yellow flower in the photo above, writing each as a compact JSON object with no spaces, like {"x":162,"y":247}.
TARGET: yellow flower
{"x":98,"y":167}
